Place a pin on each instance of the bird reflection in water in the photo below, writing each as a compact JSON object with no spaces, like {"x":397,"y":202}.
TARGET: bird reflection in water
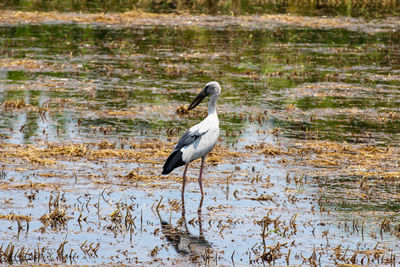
{"x":196,"y":247}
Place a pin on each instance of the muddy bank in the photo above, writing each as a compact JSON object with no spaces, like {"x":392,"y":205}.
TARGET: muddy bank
{"x":136,"y":18}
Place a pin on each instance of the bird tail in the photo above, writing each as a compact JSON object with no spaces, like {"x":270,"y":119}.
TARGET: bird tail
{"x":174,"y":161}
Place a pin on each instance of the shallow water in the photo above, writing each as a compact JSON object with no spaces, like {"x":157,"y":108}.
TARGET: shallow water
{"x":82,"y":84}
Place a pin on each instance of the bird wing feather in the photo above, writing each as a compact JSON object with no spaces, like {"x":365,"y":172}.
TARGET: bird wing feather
{"x":189,"y":137}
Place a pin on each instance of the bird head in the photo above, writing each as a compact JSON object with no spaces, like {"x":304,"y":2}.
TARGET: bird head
{"x":211,"y":88}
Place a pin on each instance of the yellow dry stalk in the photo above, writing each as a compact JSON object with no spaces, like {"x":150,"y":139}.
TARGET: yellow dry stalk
{"x":58,"y":216}
{"x":181,"y":110}
{"x":48,"y":175}
{"x":224,"y":152}
{"x":16,"y":104}
{"x":136,"y":176}
{"x":268,"y":149}
{"x":126,"y":18}
{"x":30,"y":185}
{"x":40,"y":17}
{"x":41,"y":161}
{"x":214,"y":160}
{"x":344,"y":158}
{"x":25,"y":63}
{"x":120,"y":112}
{"x":309,"y":22}
{"x":14,"y":217}
{"x":153,"y":152}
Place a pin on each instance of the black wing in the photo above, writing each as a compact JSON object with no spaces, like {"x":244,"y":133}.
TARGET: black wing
{"x":175,"y":159}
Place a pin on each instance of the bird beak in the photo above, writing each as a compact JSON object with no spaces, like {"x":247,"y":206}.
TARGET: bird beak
{"x":197,"y":100}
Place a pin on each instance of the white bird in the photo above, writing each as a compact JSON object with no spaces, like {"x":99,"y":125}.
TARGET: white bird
{"x":200,"y":139}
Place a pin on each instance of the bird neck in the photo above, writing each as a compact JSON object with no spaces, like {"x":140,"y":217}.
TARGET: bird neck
{"x":212,"y":104}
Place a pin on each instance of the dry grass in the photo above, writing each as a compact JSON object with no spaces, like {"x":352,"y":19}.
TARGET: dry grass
{"x":328,"y":157}
{"x":140,"y":18}
{"x":325,"y":156}
{"x":16,"y":104}
{"x":27,"y":64}
{"x":28,"y":185}
{"x":181,"y":110}
{"x":41,"y":17}
{"x":136,"y":176}
{"x":56,"y":218}
{"x":14,"y":217}
{"x":267,"y":149}
{"x":56,"y":152}
{"x":150,"y":151}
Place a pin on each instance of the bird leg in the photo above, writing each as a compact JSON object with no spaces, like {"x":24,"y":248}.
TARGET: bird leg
{"x":183,"y":186}
{"x":200,"y":205}
{"x":201,"y":234}
{"x":200,"y":176}
{"x":184,"y":214}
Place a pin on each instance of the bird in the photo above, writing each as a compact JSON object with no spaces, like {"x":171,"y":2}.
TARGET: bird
{"x":199,"y":140}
